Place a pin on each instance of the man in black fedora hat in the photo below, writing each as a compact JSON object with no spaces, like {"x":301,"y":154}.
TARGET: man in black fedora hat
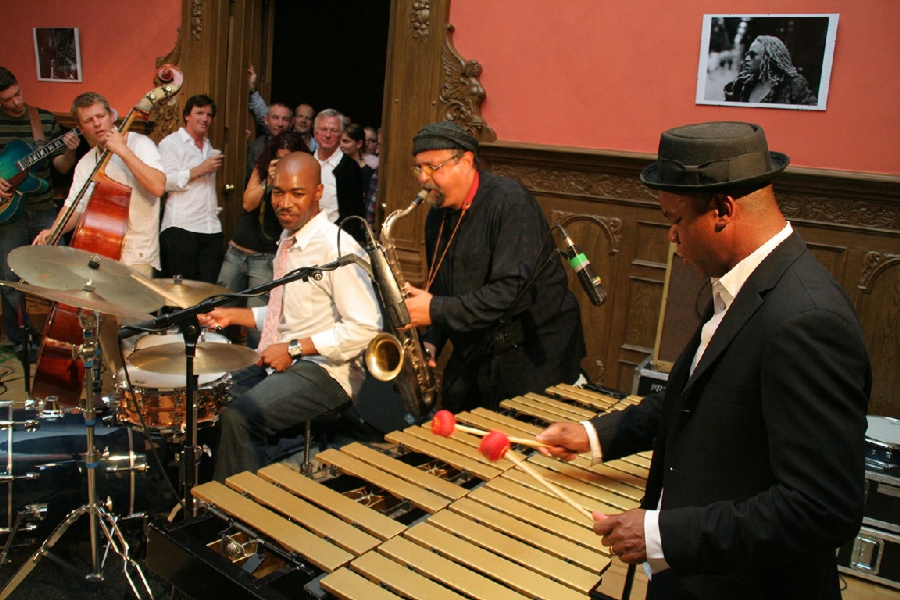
{"x":758,"y":441}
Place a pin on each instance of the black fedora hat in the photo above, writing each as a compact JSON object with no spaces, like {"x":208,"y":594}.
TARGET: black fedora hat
{"x":713,"y":156}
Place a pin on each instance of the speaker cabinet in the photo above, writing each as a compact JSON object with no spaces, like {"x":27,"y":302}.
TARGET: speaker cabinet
{"x":685,"y":296}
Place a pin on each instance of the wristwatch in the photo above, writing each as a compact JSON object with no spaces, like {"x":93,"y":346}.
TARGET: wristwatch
{"x":295,"y":349}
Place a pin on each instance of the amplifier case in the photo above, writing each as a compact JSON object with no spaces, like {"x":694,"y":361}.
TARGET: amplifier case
{"x":872,"y":555}
{"x":882,"y":509}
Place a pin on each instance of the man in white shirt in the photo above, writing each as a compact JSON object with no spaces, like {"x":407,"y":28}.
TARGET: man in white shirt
{"x":136,"y":163}
{"x":758,"y":442}
{"x":315,"y":361}
{"x":343,"y":194}
{"x":191,"y":233}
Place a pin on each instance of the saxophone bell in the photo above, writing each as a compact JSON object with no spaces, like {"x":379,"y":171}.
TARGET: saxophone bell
{"x":384,"y":357}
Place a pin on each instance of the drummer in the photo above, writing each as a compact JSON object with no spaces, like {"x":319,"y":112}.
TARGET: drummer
{"x":311,"y":352}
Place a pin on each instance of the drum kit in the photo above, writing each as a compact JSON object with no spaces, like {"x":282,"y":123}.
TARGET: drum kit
{"x":169,"y":383}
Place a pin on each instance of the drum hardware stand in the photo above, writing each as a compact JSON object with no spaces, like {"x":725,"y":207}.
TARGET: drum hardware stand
{"x":8,"y":477}
{"x":26,"y":344}
{"x":100,"y":518}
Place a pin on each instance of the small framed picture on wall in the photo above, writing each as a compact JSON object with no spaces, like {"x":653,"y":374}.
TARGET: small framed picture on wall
{"x":57,"y":54}
{"x":766,"y":61}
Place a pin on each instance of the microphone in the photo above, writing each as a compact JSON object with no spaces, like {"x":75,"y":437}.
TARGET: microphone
{"x":391,"y":294}
{"x":592,"y":285}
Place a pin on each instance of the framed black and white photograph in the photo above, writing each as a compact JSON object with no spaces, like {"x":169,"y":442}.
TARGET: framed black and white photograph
{"x":766,"y":61}
{"x":57,"y":53}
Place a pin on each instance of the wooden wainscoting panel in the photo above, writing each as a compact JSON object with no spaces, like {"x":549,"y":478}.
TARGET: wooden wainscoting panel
{"x":880,"y":318}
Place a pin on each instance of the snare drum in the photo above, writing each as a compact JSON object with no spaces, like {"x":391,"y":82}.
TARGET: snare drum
{"x":883,"y":442}
{"x":160,"y":398}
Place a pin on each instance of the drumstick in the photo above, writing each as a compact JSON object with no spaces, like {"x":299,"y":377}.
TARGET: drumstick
{"x":148,"y":283}
{"x":495,"y":446}
{"x":444,"y":424}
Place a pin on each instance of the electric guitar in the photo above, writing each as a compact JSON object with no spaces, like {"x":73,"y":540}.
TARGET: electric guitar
{"x":16,"y":161}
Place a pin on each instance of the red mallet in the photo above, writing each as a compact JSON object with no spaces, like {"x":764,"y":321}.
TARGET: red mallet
{"x":495,"y":446}
{"x":444,"y":424}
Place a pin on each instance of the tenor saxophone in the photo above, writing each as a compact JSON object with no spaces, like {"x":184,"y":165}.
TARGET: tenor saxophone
{"x":398,"y":356}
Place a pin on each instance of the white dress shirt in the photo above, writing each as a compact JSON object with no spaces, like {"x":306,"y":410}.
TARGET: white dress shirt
{"x":191,"y":205}
{"x":329,"y":200}
{"x":141,"y":246}
{"x":340,"y":312}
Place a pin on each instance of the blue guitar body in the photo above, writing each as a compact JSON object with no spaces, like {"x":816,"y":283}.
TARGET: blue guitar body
{"x":16,"y":163}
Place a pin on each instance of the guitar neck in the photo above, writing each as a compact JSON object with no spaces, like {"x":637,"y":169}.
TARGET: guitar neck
{"x":43,"y":152}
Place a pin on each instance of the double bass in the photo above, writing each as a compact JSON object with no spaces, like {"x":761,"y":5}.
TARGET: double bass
{"x":100,"y":230}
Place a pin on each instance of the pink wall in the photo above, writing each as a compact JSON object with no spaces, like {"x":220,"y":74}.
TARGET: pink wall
{"x":613,"y":75}
{"x":120,"y":41}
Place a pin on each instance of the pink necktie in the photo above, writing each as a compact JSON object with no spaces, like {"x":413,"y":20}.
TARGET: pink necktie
{"x":276,"y":297}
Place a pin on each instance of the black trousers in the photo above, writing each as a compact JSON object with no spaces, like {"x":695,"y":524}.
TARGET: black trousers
{"x":195,"y":256}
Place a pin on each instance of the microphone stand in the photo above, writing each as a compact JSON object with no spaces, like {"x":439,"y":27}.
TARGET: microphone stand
{"x":189,"y":325}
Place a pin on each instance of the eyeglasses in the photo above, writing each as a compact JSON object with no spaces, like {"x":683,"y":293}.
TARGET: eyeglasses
{"x":429,"y":170}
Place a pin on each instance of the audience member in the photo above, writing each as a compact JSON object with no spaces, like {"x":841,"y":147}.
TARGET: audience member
{"x":257,"y":105}
{"x":304,"y":115}
{"x":278,"y":120}
{"x":496,"y":288}
{"x":370,"y":150}
{"x":191,"y":234}
{"x":352,"y":142}
{"x":341,"y":175}
{"x":757,"y":475}
{"x":314,"y":333}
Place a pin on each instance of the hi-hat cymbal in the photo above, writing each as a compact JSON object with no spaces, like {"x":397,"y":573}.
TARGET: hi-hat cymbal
{"x":188,"y":292}
{"x":65,"y":268}
{"x":210,"y":357}
{"x":80,"y":299}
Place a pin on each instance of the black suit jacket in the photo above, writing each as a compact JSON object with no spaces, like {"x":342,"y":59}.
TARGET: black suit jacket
{"x":759,"y":453}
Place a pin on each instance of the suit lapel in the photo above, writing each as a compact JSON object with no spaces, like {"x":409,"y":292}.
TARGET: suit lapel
{"x":747,"y":302}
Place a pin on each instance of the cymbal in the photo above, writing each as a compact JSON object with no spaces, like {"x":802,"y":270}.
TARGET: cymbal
{"x":188,"y":292}
{"x":80,"y":299}
{"x":210,"y":357}
{"x":65,"y":268}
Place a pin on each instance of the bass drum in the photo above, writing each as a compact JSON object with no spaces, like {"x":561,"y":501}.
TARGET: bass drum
{"x":158,"y":400}
{"x":48,"y":465}
{"x":883,"y":442}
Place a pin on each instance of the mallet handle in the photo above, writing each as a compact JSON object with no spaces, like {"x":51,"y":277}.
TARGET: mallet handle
{"x":552,"y":488}
{"x":512,"y":440}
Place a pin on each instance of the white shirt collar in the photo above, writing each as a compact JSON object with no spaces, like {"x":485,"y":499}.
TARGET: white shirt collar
{"x":731,"y":282}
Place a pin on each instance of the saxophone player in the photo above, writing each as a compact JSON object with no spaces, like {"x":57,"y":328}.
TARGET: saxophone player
{"x":485,"y":237}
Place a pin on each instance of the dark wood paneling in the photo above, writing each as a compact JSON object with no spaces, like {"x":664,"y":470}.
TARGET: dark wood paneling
{"x":851,"y":222}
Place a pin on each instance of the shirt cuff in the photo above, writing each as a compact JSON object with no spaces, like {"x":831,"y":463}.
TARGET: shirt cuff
{"x":259,"y":315}
{"x":596,"y":451}
{"x":178,"y":181}
{"x":653,"y":543}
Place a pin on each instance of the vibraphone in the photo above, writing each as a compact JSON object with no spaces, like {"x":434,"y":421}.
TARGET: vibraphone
{"x":428,"y":518}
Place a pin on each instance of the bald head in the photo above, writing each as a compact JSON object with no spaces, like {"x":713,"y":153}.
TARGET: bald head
{"x":296,"y":190}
